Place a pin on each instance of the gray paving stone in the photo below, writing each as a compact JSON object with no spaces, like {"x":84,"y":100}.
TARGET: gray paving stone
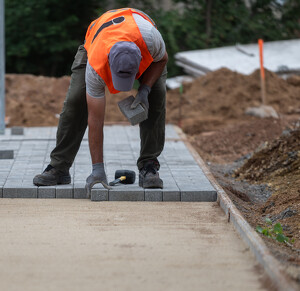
{"x":3,"y":175}
{"x":64,"y":191}
{"x":182,"y":176}
{"x":126,"y":193}
{"x":46,"y":192}
{"x":198,"y":196}
{"x":6,"y":154}
{"x":99,"y":195}
{"x":134,"y":116}
{"x":17,"y":130}
{"x":171,"y":195}
{"x":79,"y":191}
{"x":153,"y":195}
{"x":19,"y":192}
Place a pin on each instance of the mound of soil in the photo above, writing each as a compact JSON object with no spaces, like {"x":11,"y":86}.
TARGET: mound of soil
{"x":34,"y":100}
{"x":221,"y":97}
{"x":211,"y":111}
{"x":207,"y":104}
{"x":277,"y":164}
{"x":37,"y":100}
{"x":278,"y":158}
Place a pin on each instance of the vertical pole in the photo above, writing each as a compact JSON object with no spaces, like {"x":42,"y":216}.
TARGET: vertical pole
{"x":262,"y":71}
{"x":2,"y":69}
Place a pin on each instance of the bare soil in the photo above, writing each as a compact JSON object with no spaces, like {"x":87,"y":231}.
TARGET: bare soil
{"x":257,"y":161}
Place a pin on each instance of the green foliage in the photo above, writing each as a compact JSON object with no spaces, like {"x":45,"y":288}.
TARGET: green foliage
{"x":42,"y":35}
{"x":275,"y":232}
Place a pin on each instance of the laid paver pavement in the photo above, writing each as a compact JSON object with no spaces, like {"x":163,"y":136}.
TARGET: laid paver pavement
{"x":183,"y":178}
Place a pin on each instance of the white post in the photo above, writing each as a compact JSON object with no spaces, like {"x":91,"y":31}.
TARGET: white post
{"x":2,"y":69}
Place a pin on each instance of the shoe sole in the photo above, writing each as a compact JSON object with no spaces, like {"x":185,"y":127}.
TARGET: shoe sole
{"x":38,"y":181}
{"x":151,"y":183}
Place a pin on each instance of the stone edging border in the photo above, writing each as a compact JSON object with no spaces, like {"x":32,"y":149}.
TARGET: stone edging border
{"x":261,"y":252}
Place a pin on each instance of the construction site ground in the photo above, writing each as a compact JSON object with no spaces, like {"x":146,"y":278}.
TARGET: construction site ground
{"x":68,"y":244}
{"x":211,"y":111}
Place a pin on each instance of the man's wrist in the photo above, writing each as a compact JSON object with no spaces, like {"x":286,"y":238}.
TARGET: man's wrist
{"x":98,"y":168}
{"x":145,"y":87}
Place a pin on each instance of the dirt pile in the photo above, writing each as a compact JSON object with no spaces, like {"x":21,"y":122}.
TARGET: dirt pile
{"x":221,"y":97}
{"x":34,"y":100}
{"x":229,"y":143}
{"x":275,"y":159}
{"x":277,"y":164}
{"x":38,"y":100}
{"x":209,"y":103}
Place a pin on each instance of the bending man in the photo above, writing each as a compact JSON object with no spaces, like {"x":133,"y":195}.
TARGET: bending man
{"x":120,"y":46}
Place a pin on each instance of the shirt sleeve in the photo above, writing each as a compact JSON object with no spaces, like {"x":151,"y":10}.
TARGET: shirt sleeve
{"x":151,"y":37}
{"x":158,"y":47}
{"x":95,"y":85}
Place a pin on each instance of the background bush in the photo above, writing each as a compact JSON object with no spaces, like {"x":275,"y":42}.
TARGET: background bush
{"x":42,"y":36}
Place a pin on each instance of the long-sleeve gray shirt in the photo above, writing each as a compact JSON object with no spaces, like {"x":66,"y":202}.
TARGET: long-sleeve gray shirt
{"x":95,"y":85}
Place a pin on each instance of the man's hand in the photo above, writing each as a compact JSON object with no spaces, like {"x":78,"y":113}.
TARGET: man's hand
{"x":97,"y":176}
{"x":142,"y":97}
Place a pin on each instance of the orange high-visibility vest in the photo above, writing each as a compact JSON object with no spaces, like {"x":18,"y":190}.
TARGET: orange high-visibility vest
{"x":114,"y":26}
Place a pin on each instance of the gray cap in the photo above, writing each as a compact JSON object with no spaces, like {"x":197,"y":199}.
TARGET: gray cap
{"x":124,"y":60}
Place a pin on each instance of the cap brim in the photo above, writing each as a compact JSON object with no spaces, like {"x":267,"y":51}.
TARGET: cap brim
{"x":122,"y":84}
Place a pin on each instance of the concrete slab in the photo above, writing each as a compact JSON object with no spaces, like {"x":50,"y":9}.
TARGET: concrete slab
{"x":182,"y":176}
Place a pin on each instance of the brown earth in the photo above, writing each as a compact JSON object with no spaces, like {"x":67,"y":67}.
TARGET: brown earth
{"x":211,"y":112}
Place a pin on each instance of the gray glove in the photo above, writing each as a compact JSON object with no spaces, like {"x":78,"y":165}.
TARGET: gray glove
{"x":98,"y":176}
{"x":142,"y":97}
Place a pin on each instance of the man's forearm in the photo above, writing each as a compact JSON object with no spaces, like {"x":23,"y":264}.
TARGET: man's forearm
{"x":154,"y":71}
{"x":96,"y":110}
{"x":96,"y":141}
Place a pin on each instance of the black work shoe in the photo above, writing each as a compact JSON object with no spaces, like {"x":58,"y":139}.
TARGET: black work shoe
{"x":51,"y":177}
{"x":149,"y":177}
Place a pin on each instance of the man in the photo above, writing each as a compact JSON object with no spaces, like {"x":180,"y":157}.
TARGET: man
{"x":120,"y":46}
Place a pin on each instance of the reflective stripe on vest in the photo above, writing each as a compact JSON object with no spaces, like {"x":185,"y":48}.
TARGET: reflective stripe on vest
{"x":114,"y":26}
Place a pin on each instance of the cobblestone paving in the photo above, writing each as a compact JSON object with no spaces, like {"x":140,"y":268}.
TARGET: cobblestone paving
{"x":183,"y":178}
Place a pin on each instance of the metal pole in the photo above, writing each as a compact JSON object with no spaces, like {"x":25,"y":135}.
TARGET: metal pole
{"x":2,"y":69}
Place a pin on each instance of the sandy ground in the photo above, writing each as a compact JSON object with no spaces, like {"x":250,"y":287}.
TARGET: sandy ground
{"x":211,"y":111}
{"x":79,"y":245}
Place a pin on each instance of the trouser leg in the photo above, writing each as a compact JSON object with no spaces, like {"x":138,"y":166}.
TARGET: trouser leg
{"x":73,"y":118}
{"x":152,"y":130}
